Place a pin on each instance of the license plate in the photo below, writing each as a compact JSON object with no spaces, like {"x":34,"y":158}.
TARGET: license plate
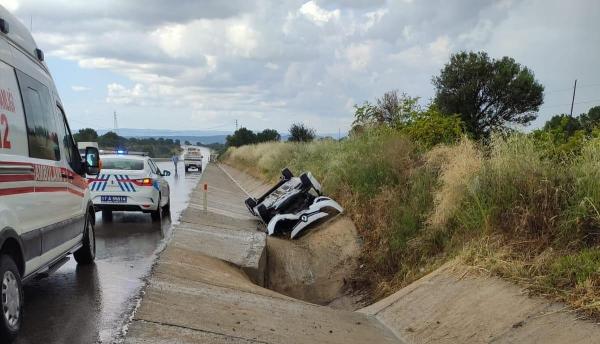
{"x":113,"y":199}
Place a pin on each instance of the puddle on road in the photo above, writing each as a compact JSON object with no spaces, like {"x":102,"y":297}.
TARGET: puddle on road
{"x":87,"y":304}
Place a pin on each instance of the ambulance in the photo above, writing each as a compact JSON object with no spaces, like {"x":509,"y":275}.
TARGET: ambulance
{"x":46,"y":212}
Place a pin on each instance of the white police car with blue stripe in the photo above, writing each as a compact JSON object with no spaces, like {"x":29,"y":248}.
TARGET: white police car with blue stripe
{"x":130,"y":182}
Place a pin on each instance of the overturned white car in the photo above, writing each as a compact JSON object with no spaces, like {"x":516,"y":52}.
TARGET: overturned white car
{"x":293,"y":204}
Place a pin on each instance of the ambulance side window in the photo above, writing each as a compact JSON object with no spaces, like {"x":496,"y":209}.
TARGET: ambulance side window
{"x":40,"y":119}
{"x":71,"y":151}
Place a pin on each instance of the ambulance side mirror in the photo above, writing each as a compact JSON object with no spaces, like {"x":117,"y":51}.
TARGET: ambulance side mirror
{"x":92,"y":161}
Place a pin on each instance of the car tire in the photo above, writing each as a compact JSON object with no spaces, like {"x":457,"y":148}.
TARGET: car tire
{"x":11,"y":299}
{"x":157,"y":214}
{"x":305,"y":181}
{"x":287,"y":174}
{"x":167,"y":207}
{"x":107,"y":215}
{"x":87,"y":253}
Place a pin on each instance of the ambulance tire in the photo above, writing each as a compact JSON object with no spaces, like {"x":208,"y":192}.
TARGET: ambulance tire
{"x":10,"y":273}
{"x":87,"y":253}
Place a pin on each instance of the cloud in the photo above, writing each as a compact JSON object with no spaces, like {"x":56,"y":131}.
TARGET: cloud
{"x":78,"y":88}
{"x":317,"y":14}
{"x":275,"y":62}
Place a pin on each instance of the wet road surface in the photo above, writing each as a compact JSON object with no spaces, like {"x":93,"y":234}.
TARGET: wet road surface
{"x":90,"y":304}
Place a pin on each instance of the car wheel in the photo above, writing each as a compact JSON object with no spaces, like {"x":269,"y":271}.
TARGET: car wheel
{"x":107,"y":215}
{"x":167,"y":207}
{"x":12,"y":299}
{"x":87,"y":253}
{"x":157,"y":214}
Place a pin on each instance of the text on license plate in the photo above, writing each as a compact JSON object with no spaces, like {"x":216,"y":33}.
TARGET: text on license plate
{"x":113,"y":199}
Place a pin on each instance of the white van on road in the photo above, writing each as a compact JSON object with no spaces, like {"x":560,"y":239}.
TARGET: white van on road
{"x":45,"y":207}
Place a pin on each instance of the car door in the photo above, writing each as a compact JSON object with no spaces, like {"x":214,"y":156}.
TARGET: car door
{"x":163,"y":185}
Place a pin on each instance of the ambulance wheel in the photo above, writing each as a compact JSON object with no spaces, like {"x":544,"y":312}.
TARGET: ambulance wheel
{"x":12,"y":299}
{"x":87,"y":253}
{"x":107,"y":215}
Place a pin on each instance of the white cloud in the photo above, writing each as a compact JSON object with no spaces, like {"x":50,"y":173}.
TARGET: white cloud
{"x":359,"y":55}
{"x":317,"y":14}
{"x":78,"y":88}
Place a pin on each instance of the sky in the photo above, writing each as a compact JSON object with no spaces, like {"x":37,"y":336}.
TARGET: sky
{"x":202,"y":65}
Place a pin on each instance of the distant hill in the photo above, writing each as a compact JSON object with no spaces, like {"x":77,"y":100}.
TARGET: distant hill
{"x":193,"y":136}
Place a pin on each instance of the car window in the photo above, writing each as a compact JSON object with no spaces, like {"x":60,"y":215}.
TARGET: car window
{"x":71,"y":151}
{"x":122,"y":164}
{"x":40,"y":118}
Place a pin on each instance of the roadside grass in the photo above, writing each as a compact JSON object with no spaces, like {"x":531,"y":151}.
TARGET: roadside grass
{"x":506,"y":208}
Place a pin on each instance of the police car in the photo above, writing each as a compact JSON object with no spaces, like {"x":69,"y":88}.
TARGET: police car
{"x":130,"y":182}
{"x":45,"y":207}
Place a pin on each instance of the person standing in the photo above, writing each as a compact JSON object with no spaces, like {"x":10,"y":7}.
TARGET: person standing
{"x":175,"y":159}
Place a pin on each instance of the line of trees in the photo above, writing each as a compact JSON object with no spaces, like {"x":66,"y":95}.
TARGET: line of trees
{"x":155,"y":147}
{"x":243,"y":136}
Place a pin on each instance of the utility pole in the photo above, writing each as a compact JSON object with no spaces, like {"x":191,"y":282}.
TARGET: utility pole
{"x":116,"y":124}
{"x":236,"y":125}
{"x":573,"y":100}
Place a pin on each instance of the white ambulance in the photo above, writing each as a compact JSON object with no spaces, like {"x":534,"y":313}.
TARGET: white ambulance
{"x":45,"y":207}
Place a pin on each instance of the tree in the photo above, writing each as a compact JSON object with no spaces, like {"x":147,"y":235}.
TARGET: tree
{"x":431,"y":128}
{"x":111,"y":140}
{"x":488,"y":94}
{"x":268,"y":135}
{"x":301,"y":133}
{"x":241,"y":137}
{"x":590,"y":120}
{"x":86,"y":135}
{"x":187,"y":143}
{"x":393,"y":109}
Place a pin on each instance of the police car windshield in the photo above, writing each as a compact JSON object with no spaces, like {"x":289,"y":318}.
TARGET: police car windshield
{"x":122,"y":164}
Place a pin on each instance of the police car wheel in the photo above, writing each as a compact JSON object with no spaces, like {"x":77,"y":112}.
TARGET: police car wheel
{"x":87,"y":253}
{"x":107,"y":215}
{"x":11,"y":299}
{"x":167,"y":207}
{"x":157,"y":214}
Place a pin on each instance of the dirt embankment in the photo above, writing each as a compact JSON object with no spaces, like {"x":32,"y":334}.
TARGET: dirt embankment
{"x":317,"y":266}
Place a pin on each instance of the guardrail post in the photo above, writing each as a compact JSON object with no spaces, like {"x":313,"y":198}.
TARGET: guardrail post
{"x":205,"y":197}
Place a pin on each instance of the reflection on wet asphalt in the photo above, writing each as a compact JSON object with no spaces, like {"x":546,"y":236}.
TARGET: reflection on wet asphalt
{"x":90,"y":304}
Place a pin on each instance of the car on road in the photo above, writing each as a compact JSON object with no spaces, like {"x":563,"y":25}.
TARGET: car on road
{"x":130,"y":182}
{"x":45,"y":208}
{"x":192,"y":158}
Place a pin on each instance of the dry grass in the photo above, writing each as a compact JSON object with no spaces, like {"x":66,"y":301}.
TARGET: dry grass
{"x":458,"y":166}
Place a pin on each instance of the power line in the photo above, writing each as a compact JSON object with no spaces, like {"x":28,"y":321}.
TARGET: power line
{"x":567,"y":104}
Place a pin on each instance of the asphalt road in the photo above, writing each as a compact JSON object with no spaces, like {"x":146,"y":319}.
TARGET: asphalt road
{"x":91,"y":304}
